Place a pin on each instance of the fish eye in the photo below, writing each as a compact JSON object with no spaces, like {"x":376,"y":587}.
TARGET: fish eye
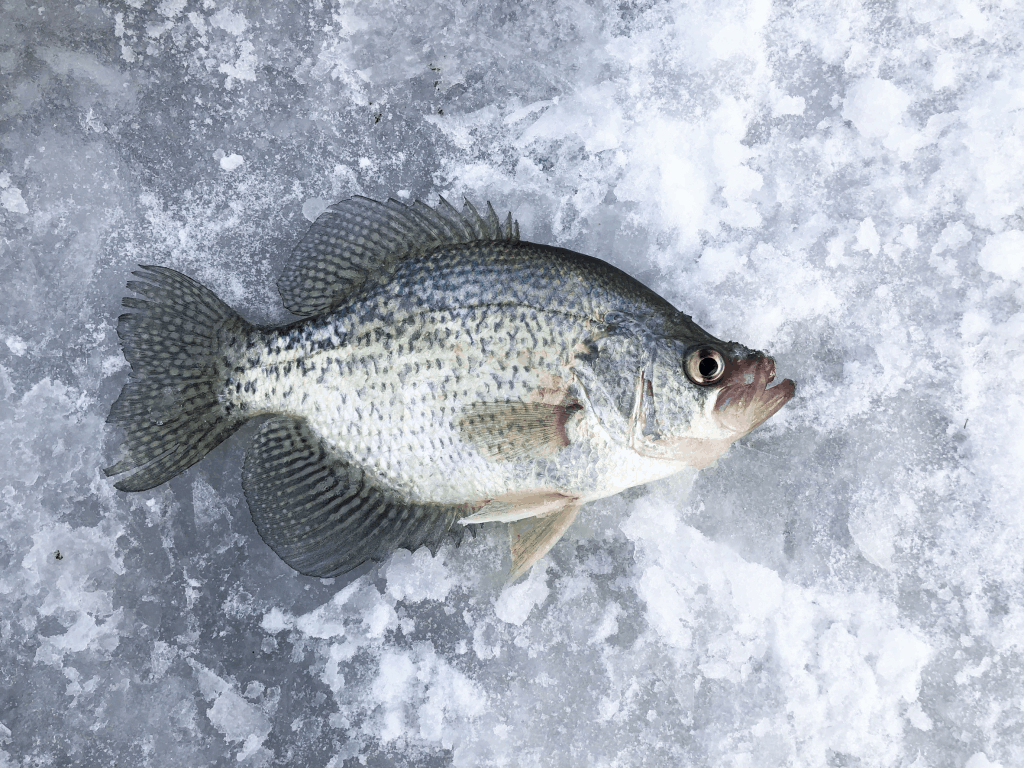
{"x":705,"y":366}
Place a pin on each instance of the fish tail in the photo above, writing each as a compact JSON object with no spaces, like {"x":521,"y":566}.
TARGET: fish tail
{"x":172,"y":410}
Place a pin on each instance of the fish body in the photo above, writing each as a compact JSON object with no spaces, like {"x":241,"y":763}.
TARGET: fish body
{"x":447,"y":374}
{"x":390,"y":376}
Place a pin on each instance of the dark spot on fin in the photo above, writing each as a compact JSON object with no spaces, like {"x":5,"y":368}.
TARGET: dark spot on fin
{"x":359,"y":237}
{"x":506,"y":430}
{"x":324,"y":516}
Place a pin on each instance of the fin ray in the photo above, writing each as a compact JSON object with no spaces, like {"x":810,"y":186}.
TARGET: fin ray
{"x":169,"y":408}
{"x":358,"y":237}
{"x":323,"y":516}
{"x":517,"y":507}
{"x":532,"y":538}
{"x":472,"y":217}
{"x":510,"y":430}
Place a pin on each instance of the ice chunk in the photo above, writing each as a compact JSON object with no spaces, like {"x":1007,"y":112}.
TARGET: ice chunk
{"x":979,"y":760}
{"x":1003,"y":255}
{"x":11,"y":199}
{"x":229,"y":21}
{"x":517,"y":601}
{"x":875,"y":106}
{"x":236,"y":719}
{"x":313,"y":207}
{"x":231,"y":162}
{"x":417,"y":576}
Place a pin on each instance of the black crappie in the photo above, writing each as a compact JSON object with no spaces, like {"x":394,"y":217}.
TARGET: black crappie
{"x":446,"y":374}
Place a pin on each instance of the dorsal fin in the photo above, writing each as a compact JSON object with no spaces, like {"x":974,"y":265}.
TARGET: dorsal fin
{"x":358,"y":237}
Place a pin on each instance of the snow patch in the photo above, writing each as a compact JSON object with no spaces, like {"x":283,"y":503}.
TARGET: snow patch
{"x":313,"y":207}
{"x":231,"y":162}
{"x":171,"y":8}
{"x":228,"y":20}
{"x":1003,"y":255}
{"x":11,"y":199}
{"x":875,"y":107}
{"x":243,"y":68}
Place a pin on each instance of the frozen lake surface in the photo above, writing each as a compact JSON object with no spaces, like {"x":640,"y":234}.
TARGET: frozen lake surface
{"x":841,"y":185}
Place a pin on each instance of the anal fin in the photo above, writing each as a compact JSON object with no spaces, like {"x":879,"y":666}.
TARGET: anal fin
{"x":530,"y":539}
{"x":324,"y":516}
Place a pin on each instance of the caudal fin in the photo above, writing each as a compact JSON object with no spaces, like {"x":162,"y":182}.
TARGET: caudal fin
{"x":170,"y":408}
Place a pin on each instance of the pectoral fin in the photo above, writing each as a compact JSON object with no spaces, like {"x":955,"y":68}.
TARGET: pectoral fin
{"x":531,"y":538}
{"x":506,"y":431}
{"x":517,"y":507}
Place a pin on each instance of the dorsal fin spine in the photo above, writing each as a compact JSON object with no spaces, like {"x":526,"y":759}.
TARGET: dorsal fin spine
{"x":433,"y":221}
{"x":493,"y":224}
{"x":478,"y":225}
{"x":457,"y":232}
{"x":453,"y":217}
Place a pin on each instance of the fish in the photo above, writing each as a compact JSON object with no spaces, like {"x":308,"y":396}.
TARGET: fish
{"x":443,"y":374}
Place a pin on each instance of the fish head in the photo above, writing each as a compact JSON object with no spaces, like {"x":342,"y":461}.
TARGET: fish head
{"x":697,"y":395}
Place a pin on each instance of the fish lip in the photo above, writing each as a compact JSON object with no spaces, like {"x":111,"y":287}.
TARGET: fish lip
{"x":783,"y":392}
{"x":745,"y":399}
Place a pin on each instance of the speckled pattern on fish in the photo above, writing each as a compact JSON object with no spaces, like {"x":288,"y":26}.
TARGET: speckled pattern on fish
{"x":447,"y":374}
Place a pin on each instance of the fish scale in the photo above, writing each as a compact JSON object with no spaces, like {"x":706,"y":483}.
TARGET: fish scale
{"x":408,"y":438}
{"x":446,"y":373}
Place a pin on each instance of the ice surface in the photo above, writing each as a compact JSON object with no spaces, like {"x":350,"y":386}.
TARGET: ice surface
{"x":838,"y":183}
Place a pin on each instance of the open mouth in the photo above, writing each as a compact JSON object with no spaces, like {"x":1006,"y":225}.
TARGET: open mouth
{"x":745,"y":401}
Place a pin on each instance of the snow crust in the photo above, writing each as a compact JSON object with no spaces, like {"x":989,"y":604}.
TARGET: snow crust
{"x":840,"y":184}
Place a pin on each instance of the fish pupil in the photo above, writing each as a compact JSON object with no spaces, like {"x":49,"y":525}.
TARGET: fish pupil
{"x":708,"y":367}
